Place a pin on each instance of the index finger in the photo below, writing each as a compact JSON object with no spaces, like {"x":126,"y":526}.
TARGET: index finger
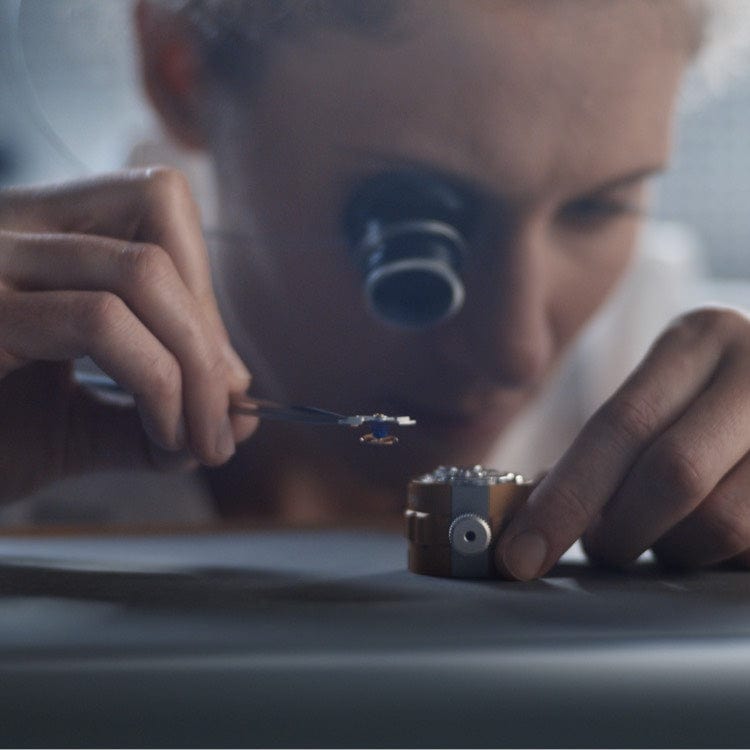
{"x":139,"y":205}
{"x":152,"y":205}
{"x":576,"y":489}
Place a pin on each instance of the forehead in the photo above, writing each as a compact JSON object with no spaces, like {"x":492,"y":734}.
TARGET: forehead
{"x":538,"y":91}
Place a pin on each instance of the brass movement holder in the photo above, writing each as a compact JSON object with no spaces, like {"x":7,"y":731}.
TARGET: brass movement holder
{"x":454,"y":517}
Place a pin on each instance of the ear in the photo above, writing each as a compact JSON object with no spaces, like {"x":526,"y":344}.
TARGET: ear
{"x":171,"y":71}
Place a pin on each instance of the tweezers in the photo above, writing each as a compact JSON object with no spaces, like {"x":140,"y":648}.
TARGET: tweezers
{"x":265,"y":409}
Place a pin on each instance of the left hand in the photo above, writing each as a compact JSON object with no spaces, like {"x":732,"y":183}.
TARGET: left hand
{"x":664,"y":464}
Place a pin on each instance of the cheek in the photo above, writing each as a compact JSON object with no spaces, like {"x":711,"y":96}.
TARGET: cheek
{"x":293,"y":202}
{"x":586,"y":273}
{"x":318,"y":289}
{"x":302,"y":295}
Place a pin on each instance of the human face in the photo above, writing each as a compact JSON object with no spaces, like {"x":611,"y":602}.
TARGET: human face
{"x":553,"y":113}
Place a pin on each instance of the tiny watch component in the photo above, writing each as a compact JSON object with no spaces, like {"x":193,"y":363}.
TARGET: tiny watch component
{"x":454,"y":516}
{"x":380,"y":429}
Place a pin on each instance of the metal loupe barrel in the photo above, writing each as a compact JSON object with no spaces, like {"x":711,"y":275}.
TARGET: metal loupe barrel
{"x":407,"y":234}
{"x":411,"y":272}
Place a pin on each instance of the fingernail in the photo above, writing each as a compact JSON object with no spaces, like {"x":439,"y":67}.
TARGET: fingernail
{"x":244,"y":426}
{"x":238,"y":366}
{"x":225,"y":443}
{"x":524,"y":555}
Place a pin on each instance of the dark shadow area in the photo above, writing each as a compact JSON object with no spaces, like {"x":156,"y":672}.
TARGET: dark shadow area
{"x":208,"y":589}
{"x":215,"y":588}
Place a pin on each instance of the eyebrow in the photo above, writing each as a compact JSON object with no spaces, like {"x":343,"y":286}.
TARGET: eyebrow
{"x":629,"y":179}
{"x":403,"y":162}
{"x":479,"y":186}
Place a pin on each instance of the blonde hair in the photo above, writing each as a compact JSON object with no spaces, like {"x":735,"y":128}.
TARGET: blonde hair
{"x":721,"y":29}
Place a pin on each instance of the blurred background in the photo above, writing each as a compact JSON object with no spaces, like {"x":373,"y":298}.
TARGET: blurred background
{"x":70,"y":104}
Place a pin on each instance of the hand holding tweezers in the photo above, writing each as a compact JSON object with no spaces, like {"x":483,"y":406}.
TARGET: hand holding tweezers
{"x":264,"y":409}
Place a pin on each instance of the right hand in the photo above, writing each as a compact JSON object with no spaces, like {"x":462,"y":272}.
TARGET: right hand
{"x":114,"y":268}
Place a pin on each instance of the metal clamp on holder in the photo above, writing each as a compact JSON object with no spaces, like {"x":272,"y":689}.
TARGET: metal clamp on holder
{"x":454,"y":517}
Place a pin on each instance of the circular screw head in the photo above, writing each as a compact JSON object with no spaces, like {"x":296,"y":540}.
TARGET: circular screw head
{"x":469,"y":534}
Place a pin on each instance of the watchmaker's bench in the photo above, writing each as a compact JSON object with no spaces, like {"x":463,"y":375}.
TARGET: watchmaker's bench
{"x":325,"y":639}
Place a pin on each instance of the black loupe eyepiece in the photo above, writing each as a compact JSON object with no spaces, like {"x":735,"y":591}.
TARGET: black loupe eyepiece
{"x":407,"y":232}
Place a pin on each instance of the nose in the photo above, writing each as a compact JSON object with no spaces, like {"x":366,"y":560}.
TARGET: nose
{"x":506,"y":328}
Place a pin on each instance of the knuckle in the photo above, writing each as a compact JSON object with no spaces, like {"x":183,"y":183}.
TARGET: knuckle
{"x":145,"y":264}
{"x":165,"y":184}
{"x":674,"y":472}
{"x":165,"y":379}
{"x":204,"y":359}
{"x":571,"y":507}
{"x":712,"y":321}
{"x":633,"y":418}
{"x":101,"y":313}
{"x":196,"y":328}
{"x":215,"y":364}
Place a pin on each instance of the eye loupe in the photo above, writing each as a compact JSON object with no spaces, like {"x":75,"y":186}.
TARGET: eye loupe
{"x":408,"y":234}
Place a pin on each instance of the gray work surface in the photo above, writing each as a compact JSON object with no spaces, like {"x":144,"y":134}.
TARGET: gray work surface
{"x":325,"y":639}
